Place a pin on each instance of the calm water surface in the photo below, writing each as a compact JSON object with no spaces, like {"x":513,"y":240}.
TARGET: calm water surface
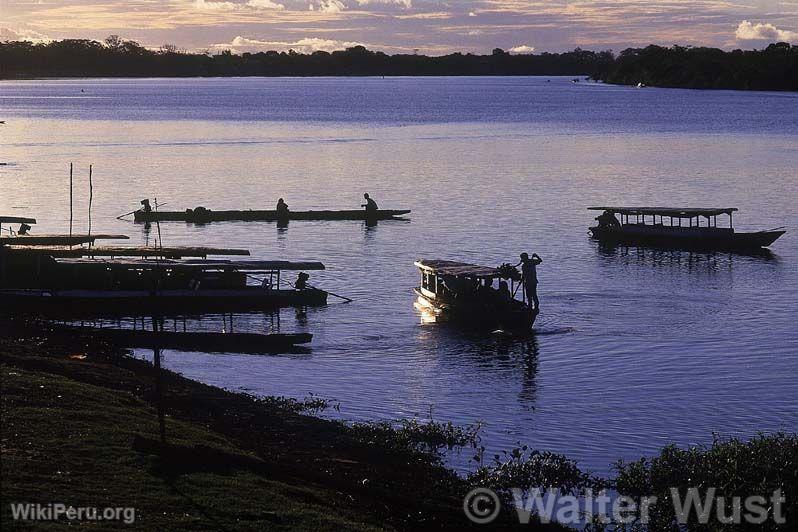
{"x":634,"y":348}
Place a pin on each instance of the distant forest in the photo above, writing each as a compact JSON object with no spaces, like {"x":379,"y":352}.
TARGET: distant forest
{"x":774,"y":68}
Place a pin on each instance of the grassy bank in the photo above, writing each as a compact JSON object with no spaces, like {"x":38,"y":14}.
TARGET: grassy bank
{"x":72,"y":409}
{"x":80,"y":427}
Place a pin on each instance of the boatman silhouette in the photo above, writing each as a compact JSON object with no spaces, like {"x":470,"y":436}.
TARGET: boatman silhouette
{"x":282,"y":211}
{"x":529,"y":275}
{"x":370,"y":205}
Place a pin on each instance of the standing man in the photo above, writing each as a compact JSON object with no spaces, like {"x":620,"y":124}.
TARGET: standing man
{"x":529,"y":274}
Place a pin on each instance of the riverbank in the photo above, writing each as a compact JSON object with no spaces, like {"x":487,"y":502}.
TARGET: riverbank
{"x":73,"y":408}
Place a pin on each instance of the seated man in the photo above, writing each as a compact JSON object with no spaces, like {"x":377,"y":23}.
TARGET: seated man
{"x":504,"y":294}
{"x":370,"y":205}
{"x":301,"y":281}
{"x":282,"y":211}
{"x":607,"y":219}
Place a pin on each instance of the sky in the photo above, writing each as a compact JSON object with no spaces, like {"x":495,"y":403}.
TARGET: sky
{"x":403,"y":26}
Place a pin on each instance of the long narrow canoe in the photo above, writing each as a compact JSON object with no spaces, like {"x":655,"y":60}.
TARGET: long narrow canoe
{"x":131,"y":251}
{"x":201,"y":216}
{"x":57,"y":240}
{"x":206,"y":342}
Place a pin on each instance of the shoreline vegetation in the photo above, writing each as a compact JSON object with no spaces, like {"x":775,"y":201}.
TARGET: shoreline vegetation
{"x":773,"y":68}
{"x":79,"y":427}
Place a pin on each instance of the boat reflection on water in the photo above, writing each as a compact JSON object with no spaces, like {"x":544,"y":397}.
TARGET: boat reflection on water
{"x":511,"y":360}
{"x":253,"y":333}
{"x":710,"y":263}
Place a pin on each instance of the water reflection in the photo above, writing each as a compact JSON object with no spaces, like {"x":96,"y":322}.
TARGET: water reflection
{"x":501,"y":357}
{"x":661,"y":256}
{"x":690,"y":261}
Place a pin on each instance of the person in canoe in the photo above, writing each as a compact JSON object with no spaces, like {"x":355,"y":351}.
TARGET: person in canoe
{"x":529,"y":276}
{"x":282,"y":211}
{"x":370,"y":205}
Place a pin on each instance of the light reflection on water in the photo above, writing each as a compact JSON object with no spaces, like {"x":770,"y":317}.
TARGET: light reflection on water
{"x":634,"y":348}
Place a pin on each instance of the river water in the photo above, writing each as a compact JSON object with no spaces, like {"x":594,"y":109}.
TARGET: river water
{"x":634,"y":348}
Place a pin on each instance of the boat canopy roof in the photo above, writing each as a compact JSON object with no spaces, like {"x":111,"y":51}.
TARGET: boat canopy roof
{"x":16,"y":220}
{"x":243,"y":265}
{"x":675,"y":212}
{"x":459,"y":269}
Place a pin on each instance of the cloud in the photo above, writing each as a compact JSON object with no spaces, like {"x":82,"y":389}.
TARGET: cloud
{"x":265,"y":4}
{"x":748,"y":31}
{"x":407,"y":4}
{"x":205,"y":5}
{"x":329,"y":6}
{"x":307,"y":45}
{"x":7,"y":34}
{"x":522,"y":49}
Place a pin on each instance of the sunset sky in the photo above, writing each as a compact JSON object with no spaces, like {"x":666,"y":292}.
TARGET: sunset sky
{"x":431,"y":26}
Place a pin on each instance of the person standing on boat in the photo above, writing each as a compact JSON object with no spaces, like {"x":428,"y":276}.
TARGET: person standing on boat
{"x":529,"y":273}
{"x":282,"y":210}
{"x":370,"y":205}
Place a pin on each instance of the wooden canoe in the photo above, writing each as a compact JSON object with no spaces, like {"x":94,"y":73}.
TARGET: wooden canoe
{"x":206,"y":216}
{"x":57,"y":240}
{"x":205,"y":342}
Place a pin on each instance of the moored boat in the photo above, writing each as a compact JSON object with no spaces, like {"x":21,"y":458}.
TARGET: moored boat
{"x":676,"y":228}
{"x":141,"y":286}
{"x":462,"y":292}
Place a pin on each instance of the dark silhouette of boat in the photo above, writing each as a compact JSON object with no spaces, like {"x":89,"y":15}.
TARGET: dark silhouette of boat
{"x":201,"y":215}
{"x":677,"y":228}
{"x":462,"y":292}
{"x":205,"y":342}
{"x":72,"y":286}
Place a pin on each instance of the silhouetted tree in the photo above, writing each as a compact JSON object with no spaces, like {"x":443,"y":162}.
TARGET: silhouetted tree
{"x":114,"y":42}
{"x":774,"y":68}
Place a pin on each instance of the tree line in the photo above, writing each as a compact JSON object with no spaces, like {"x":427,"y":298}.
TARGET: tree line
{"x":774,"y":68}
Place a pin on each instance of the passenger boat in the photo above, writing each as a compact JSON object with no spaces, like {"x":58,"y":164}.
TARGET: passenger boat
{"x":15,"y":220}
{"x":71,"y":286}
{"x":201,"y":215}
{"x":461,"y":292}
{"x":676,"y":228}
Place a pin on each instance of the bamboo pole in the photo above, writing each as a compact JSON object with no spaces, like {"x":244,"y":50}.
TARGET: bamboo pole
{"x":91,"y":197}
{"x":70,"y":200}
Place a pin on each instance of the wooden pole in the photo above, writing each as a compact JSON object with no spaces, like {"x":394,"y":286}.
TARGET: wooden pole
{"x":70,"y":203}
{"x":91,"y":197}
{"x":156,"y":328}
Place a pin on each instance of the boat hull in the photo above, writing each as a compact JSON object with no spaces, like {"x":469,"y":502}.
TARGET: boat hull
{"x":479,"y":317}
{"x":700,"y":238}
{"x":207,"y":216}
{"x":205,"y":342}
{"x":141,"y":302}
